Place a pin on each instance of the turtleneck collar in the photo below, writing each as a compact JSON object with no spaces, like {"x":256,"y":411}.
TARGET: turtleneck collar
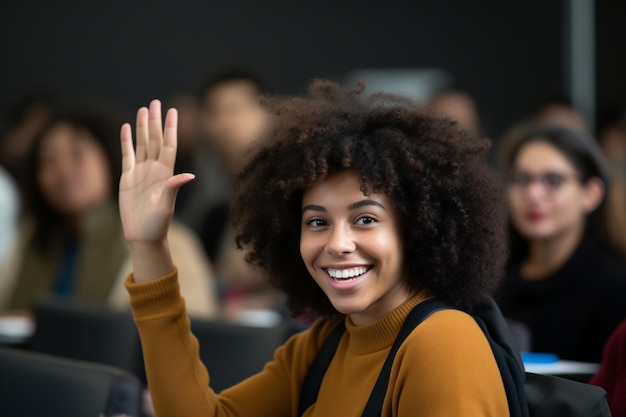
{"x":382,"y":333}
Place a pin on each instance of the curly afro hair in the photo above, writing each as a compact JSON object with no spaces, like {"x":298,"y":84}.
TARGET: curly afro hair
{"x":448,"y":199}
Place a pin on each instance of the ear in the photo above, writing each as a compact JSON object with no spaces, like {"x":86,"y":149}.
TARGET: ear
{"x":594,"y":190}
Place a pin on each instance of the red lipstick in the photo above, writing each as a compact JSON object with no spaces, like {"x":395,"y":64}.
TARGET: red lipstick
{"x":535,"y":216}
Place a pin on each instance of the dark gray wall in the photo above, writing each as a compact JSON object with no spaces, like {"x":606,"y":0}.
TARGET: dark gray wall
{"x":610,"y":59}
{"x":508,"y":54}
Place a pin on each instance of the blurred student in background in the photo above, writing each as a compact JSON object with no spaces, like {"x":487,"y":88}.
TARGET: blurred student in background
{"x":212,"y":186}
{"x":233,"y":123}
{"x":558,"y":110}
{"x":71,"y":243}
{"x":566,"y":279}
{"x":232,"y":116}
{"x":613,"y":142}
{"x":457,"y":105}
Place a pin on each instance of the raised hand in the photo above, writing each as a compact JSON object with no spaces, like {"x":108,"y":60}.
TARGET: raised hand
{"x":148,"y":189}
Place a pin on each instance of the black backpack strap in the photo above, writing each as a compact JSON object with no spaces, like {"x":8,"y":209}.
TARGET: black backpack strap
{"x":421,"y":312}
{"x":512,"y":374}
{"x":313,"y":380}
{"x":499,"y":329}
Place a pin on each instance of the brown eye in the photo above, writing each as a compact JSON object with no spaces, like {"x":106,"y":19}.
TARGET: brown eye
{"x":316,"y":223}
{"x":365,"y":220}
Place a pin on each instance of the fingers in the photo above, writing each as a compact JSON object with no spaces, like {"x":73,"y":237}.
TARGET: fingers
{"x":168,"y":151}
{"x":128,"y":153}
{"x":155,"y":130}
{"x":142,"y":134}
{"x":152,"y":141}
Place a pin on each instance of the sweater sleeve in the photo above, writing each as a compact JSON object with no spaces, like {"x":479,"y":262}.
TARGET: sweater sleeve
{"x":448,"y":367}
{"x":178,"y":380}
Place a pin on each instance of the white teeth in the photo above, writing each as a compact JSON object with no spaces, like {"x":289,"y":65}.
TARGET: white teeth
{"x":347,"y":273}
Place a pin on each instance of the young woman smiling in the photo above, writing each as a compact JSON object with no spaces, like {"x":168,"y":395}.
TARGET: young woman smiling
{"x":359,"y":210}
{"x":352,"y":246}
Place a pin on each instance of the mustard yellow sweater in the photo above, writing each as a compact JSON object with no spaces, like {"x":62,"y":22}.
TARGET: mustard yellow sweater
{"x":444,"y":368}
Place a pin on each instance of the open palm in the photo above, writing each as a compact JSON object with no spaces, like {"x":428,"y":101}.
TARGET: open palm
{"x":147,"y":186}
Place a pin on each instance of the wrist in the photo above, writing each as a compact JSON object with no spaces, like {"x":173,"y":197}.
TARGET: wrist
{"x":144,"y":246}
{"x":151,"y":260}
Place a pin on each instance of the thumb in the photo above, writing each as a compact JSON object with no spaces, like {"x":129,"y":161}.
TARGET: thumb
{"x":173,"y":184}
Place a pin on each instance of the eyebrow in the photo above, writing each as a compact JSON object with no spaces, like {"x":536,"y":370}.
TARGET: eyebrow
{"x":353,"y":206}
{"x":364,"y":203}
{"x":313,"y":207}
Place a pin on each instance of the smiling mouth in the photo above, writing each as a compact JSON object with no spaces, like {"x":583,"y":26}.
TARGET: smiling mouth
{"x":347,"y":274}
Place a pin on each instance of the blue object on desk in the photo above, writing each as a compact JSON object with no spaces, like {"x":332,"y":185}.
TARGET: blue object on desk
{"x":539,"y":357}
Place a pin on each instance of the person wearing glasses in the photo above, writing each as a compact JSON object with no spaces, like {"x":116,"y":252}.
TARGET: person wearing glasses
{"x":566,"y":281}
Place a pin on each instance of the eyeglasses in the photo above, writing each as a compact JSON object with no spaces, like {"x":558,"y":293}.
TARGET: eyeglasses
{"x":551,"y":181}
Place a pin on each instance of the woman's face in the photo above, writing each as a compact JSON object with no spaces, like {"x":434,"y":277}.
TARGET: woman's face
{"x":73,"y":172}
{"x":546,"y":196}
{"x":352,"y":246}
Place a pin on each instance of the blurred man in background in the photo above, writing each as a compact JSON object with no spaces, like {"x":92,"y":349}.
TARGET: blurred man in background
{"x":232,"y":120}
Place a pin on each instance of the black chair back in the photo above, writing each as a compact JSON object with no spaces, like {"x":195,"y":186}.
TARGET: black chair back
{"x":88,"y":333}
{"x":232,"y":352}
{"x":34,"y":385}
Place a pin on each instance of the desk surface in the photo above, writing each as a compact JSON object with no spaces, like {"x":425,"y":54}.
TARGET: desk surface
{"x":562,"y":368}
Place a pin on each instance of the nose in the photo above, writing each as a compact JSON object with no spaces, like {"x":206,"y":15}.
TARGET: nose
{"x":340,"y":241}
{"x":59,"y":165}
{"x":535,"y":189}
